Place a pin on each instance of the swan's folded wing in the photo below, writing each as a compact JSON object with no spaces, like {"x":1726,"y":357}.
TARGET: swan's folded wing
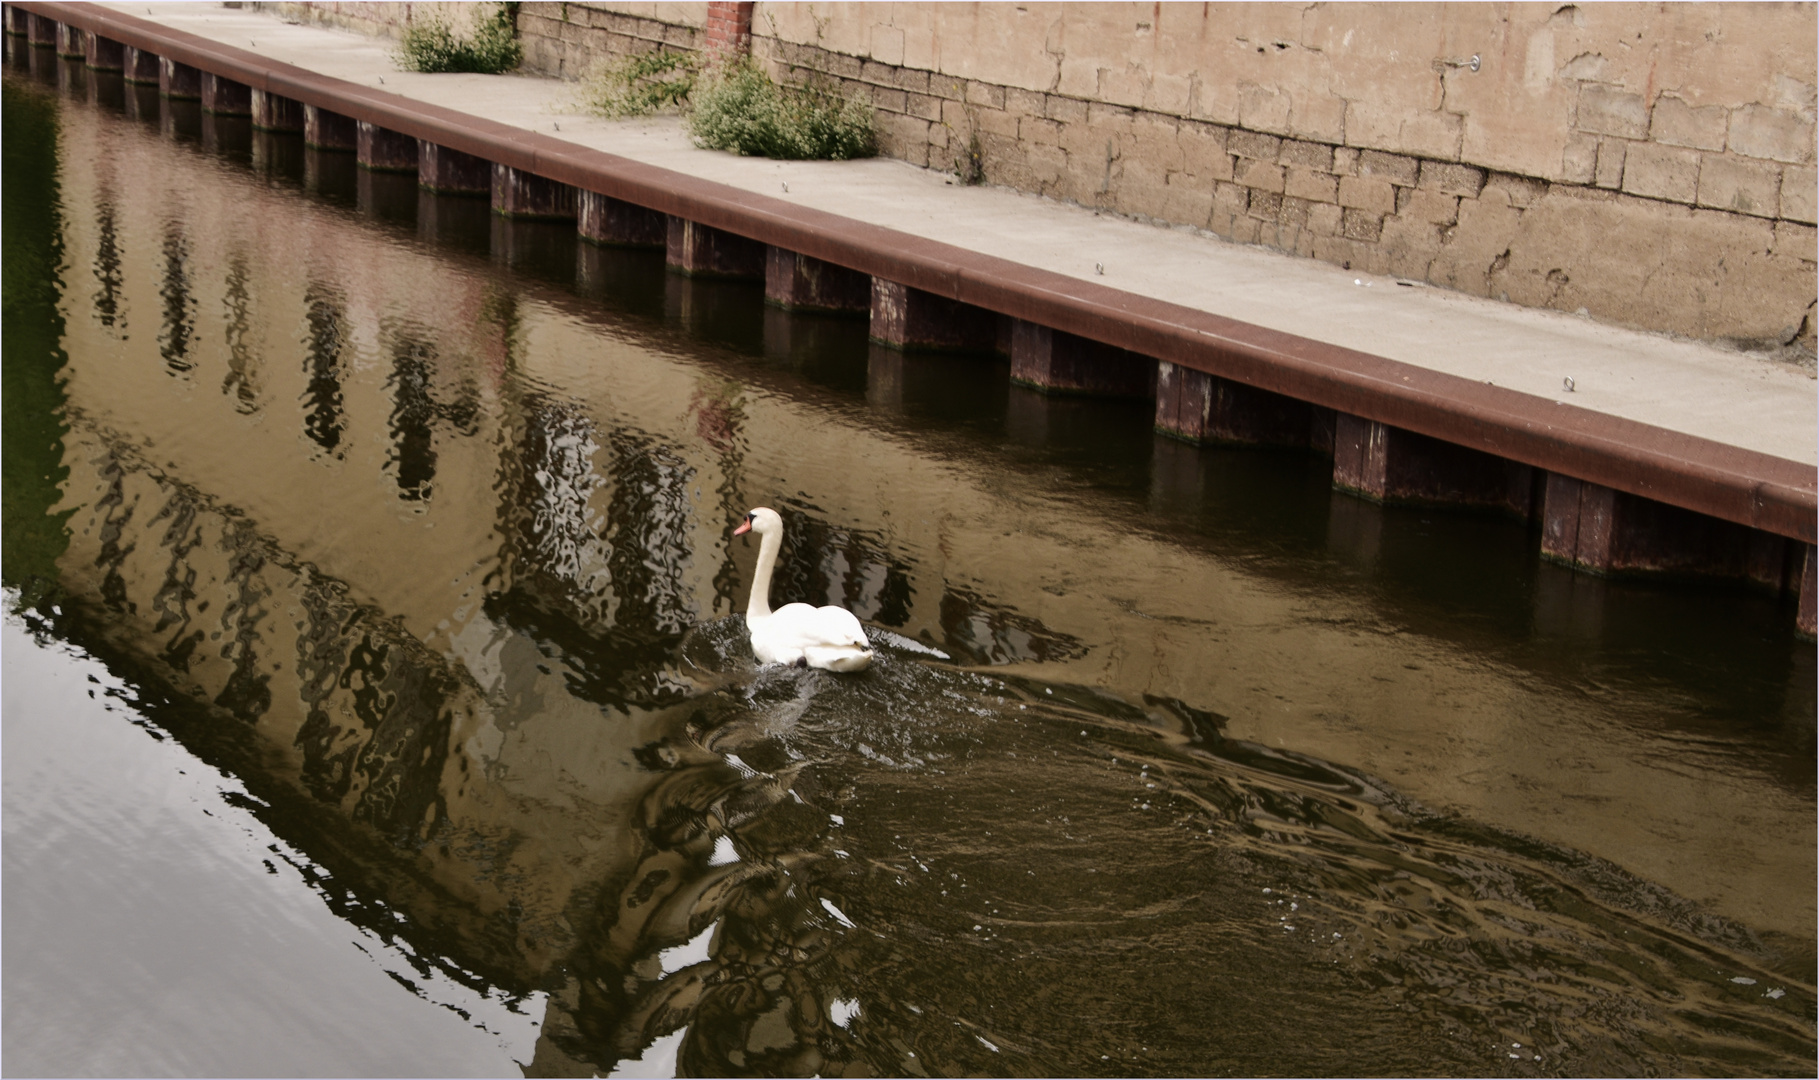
{"x":827,"y":637}
{"x":825,"y":627}
{"x":842,"y":627}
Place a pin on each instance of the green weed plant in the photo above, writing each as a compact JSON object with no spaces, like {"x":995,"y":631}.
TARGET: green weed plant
{"x":736,"y":106}
{"x":642,"y":84}
{"x":433,"y":46}
{"x":739,"y":107}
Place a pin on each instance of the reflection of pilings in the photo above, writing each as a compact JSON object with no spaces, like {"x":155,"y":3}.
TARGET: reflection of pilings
{"x":247,"y":693}
{"x":717,"y":310}
{"x":229,"y":136}
{"x":106,"y":90}
{"x":1354,"y":530}
{"x":386,"y":196}
{"x":43,"y":63}
{"x":1236,"y":489}
{"x":142,"y":103}
{"x":277,"y":155}
{"x":181,"y":120}
{"x":324,"y":340}
{"x":454,"y":221}
{"x":416,"y":412}
{"x":829,"y":352}
{"x":322,"y":652}
{"x":1569,"y":607}
{"x":179,"y":325}
{"x":622,"y":279}
{"x":536,"y":247}
{"x":1038,"y":418}
{"x":935,"y":385}
{"x":116,"y":516}
{"x":107,"y":262}
{"x":72,"y":77}
{"x":330,"y":175}
{"x":242,"y":367}
{"x":174,"y":595}
{"x":413,"y":454}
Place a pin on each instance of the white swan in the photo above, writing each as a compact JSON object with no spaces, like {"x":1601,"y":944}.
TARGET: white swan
{"x":824,"y":637}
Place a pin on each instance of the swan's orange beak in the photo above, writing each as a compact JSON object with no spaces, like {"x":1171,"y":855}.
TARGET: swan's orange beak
{"x":744,"y":527}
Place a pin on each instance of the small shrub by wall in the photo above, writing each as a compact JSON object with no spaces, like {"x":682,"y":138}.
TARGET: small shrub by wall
{"x":739,"y":107}
{"x":487,"y":46}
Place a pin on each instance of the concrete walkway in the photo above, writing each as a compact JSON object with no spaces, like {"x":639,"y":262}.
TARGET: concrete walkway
{"x":1728,"y":397}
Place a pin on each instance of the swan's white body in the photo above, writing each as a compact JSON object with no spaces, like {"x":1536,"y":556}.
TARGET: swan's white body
{"x":819,"y":637}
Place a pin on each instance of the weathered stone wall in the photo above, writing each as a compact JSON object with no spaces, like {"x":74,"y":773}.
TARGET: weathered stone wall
{"x":382,"y":18}
{"x":570,"y":40}
{"x":564,"y":40}
{"x":1650,"y":165}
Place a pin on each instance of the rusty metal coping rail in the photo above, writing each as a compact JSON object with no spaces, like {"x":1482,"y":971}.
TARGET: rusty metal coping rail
{"x":1728,"y":482}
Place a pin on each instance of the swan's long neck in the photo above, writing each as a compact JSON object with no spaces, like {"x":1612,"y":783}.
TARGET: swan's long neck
{"x":760,"y":606}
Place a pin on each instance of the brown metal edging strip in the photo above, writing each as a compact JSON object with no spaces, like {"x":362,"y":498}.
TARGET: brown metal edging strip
{"x":1732,"y":483}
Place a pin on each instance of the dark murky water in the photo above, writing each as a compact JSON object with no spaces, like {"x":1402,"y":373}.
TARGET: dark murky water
{"x":375,"y":704}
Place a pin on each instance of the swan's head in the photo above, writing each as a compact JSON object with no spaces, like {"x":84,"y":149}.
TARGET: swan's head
{"x":762,"y":520}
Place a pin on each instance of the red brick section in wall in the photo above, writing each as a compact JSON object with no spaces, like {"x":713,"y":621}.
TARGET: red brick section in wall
{"x":729,"y":29}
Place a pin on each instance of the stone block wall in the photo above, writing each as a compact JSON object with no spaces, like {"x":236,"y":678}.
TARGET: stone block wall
{"x":570,"y":40}
{"x":1648,"y":165}
{"x":381,"y":18}
{"x":564,"y":40}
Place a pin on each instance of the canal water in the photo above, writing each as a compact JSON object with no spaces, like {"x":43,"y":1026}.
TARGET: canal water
{"x":376,"y":701}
